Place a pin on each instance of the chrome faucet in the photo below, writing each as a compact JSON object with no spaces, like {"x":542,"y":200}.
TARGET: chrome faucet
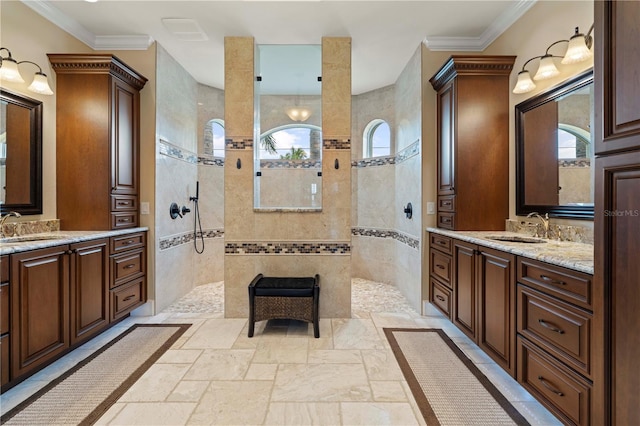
{"x":4,"y":218}
{"x":544,"y":220}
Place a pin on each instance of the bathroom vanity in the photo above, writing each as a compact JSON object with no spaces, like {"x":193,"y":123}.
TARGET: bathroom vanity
{"x":60,"y":289}
{"x":528,"y":304}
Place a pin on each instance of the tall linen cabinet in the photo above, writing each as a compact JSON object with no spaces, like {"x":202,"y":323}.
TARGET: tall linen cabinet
{"x":617,"y":212}
{"x":97,"y":137}
{"x":473,"y":142}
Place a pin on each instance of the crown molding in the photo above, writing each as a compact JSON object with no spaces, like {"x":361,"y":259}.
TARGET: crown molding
{"x":47,"y":10}
{"x":478,"y":44}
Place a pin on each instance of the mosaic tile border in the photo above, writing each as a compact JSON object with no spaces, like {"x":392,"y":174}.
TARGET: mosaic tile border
{"x":577,"y":162}
{"x":410,"y":151}
{"x":170,"y":150}
{"x":407,"y":239}
{"x":211,"y":161}
{"x":290,"y":164}
{"x":186,"y":238}
{"x":336,"y":143}
{"x":232,"y":143}
{"x":284,"y":248}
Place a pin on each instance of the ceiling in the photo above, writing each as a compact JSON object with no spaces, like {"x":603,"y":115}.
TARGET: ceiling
{"x":385,"y":34}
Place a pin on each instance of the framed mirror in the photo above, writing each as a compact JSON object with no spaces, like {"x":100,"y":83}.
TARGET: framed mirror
{"x":288,"y":132}
{"x":554,"y":151}
{"x":20,"y":154}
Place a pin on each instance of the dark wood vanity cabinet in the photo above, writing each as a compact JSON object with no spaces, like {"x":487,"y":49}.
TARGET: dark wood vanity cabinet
{"x":484,"y":300}
{"x":97,"y":138}
{"x":473,"y":142}
{"x":616,"y":391}
{"x":39,"y":308}
{"x":54,"y":299}
{"x":555,"y":338}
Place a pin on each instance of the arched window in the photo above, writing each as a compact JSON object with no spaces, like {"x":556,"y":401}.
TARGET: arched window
{"x":214,"y":138}
{"x":291,"y":142}
{"x":376,"y":139}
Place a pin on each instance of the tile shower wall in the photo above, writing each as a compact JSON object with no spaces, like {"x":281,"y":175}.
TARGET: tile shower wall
{"x":386,"y":244}
{"x":176,"y":175}
{"x":328,"y":229}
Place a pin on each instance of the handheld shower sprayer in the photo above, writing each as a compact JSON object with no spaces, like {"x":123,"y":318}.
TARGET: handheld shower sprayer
{"x":196,"y":220}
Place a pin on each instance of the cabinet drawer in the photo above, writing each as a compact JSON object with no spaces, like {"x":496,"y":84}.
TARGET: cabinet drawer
{"x":126,"y":266}
{"x":440,"y":266}
{"x":446,"y":220}
{"x":440,"y":242}
{"x":124,"y":203}
{"x":127,"y":297}
{"x":562,"y":391}
{"x":566,"y":284}
{"x":124,"y":220}
{"x":127,"y":242}
{"x":559,"y":328}
{"x":4,"y":308}
{"x":447,"y":203}
{"x":440,"y":296}
{"x":4,"y":359}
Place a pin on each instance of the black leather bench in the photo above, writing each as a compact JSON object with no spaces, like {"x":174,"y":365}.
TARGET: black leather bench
{"x":284,"y":298}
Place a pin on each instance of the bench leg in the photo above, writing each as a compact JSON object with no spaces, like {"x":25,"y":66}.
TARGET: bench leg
{"x":316,"y":315}
{"x":252,"y":306}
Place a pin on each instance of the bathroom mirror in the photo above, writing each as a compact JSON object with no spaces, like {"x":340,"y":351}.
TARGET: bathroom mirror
{"x":288,"y":132}
{"x":20,"y":154}
{"x":554,"y":151}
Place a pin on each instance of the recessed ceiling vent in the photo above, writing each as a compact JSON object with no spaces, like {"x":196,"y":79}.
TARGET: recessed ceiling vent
{"x":185,"y":29}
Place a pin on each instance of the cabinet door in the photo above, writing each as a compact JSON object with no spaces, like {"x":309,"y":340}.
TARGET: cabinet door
{"x":89,"y":288}
{"x":496,"y":278}
{"x":464,"y":287}
{"x":446,"y":137}
{"x":124,"y":143}
{"x":39,"y":307}
{"x":616,"y":80}
{"x":616,"y":289}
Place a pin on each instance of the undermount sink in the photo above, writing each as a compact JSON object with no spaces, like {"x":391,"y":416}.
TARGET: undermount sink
{"x":516,"y":239}
{"x":33,"y":237}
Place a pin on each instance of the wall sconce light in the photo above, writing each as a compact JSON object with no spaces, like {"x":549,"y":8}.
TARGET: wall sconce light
{"x":298,"y":113}
{"x":578,"y":50}
{"x":9,"y":71}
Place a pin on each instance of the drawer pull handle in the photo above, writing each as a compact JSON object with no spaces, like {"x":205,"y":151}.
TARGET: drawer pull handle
{"x":548,"y":386}
{"x":446,"y":219}
{"x":550,"y":326}
{"x":129,"y":266}
{"x":442,"y":243}
{"x":123,"y":219}
{"x":124,"y":203}
{"x":439,"y":266}
{"x":126,"y":243}
{"x":440,"y":298}
{"x":128,"y":298}
{"x":446,"y":203}
{"x":551,"y":280}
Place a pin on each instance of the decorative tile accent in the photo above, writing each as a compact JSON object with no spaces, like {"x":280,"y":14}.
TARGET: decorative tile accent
{"x":410,"y":151}
{"x":287,"y":248}
{"x":31,"y":227}
{"x":231,"y":143}
{"x":336,"y":143}
{"x":170,"y":150}
{"x":186,"y":238}
{"x":375,"y":161}
{"x":407,"y":239}
{"x":290,"y":164}
{"x":575,"y":162}
{"x":211,"y":161}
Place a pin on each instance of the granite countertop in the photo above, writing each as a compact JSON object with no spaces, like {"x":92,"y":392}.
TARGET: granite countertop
{"x":60,"y":238}
{"x":576,"y":256}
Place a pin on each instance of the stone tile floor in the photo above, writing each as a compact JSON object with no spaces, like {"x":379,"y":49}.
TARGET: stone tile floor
{"x":215,"y":374}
